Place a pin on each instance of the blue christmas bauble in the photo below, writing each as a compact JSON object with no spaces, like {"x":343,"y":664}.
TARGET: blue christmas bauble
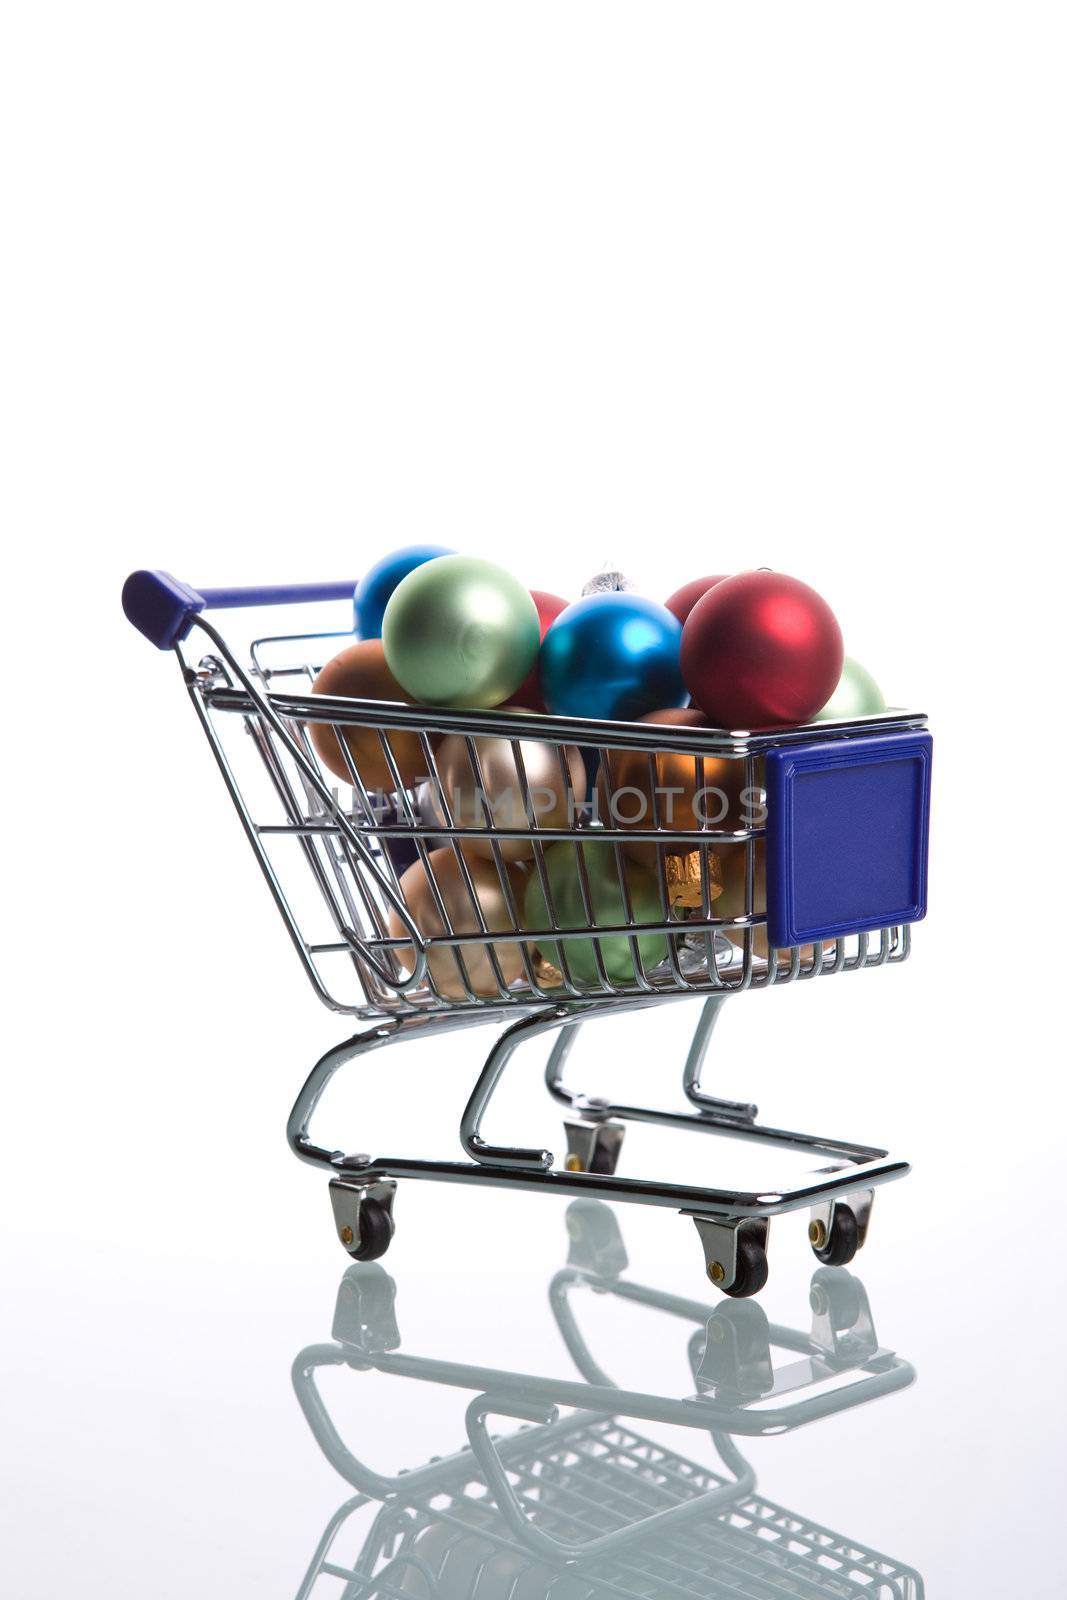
{"x":378,"y":582}
{"x":612,"y":656}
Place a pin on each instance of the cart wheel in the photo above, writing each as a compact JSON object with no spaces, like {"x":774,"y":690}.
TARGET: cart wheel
{"x":375,"y":1231}
{"x":843,"y":1240}
{"x":751,"y":1273}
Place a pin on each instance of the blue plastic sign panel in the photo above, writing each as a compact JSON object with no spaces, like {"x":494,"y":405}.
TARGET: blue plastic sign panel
{"x":848,"y":824}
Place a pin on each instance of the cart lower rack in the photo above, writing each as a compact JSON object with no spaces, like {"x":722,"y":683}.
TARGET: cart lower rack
{"x":417,"y":906}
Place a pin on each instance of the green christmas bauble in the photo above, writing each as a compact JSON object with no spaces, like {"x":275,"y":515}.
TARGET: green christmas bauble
{"x":856,"y":695}
{"x":460,"y":632}
{"x":609,"y":908}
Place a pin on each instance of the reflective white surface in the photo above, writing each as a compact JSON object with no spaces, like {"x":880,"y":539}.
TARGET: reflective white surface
{"x":157,"y":1445}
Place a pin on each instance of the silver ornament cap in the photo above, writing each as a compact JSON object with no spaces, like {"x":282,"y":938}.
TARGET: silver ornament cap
{"x":608,"y":582}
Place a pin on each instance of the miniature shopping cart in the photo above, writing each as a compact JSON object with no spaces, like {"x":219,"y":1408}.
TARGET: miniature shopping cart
{"x":830,"y":871}
{"x":580,"y":1503}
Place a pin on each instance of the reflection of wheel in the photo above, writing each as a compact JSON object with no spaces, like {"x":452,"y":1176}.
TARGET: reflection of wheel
{"x":836,"y":1293}
{"x":375,"y":1232}
{"x":751,"y":1274}
{"x":843,"y":1240}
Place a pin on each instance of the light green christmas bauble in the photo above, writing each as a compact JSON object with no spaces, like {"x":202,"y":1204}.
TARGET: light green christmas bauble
{"x":856,"y":695}
{"x":459,"y":631}
{"x":609,"y":909}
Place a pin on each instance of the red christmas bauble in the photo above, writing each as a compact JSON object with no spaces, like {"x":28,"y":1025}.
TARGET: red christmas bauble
{"x":684,"y":599}
{"x":760,"y":650}
{"x":528,"y":694}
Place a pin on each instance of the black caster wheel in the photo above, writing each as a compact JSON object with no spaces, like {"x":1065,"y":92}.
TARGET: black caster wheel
{"x":375,"y":1232}
{"x":839,"y":1246}
{"x":751,"y":1274}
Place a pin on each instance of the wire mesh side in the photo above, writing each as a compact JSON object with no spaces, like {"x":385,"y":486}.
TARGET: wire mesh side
{"x":521,"y":893}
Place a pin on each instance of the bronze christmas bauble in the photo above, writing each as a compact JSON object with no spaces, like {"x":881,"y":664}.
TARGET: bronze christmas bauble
{"x":442,"y":965}
{"x":633,"y":786}
{"x":360,"y":673}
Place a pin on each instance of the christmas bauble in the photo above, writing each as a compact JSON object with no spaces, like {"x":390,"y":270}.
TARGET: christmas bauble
{"x":453,"y":1560}
{"x":448,"y":1558}
{"x":378,"y":582}
{"x":442,"y":964}
{"x":675,"y":794}
{"x":856,"y":695}
{"x":609,"y":909}
{"x":360,"y":673}
{"x":684,"y":599}
{"x":731,"y":903}
{"x":528,"y":693}
{"x":760,"y":650}
{"x":613,"y":657}
{"x":493,"y":796}
{"x":459,"y":631}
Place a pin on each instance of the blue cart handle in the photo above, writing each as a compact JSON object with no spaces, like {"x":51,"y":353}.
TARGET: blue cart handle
{"x":163,"y":608}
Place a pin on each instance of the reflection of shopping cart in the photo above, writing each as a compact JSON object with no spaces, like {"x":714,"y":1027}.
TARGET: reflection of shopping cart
{"x":586,"y":1505}
{"x":823,"y":879}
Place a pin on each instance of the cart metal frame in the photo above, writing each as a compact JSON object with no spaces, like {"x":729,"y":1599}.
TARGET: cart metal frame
{"x":351,"y":849}
{"x":724,"y":1218}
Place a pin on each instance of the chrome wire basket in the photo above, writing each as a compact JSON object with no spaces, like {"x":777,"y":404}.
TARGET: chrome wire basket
{"x":370,"y":953}
{"x":416,"y":906}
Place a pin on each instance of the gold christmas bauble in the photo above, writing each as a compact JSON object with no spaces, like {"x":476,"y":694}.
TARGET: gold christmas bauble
{"x":442,"y":965}
{"x":493,"y":796}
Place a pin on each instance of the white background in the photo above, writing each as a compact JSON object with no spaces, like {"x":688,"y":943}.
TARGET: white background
{"x":681,"y":288}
